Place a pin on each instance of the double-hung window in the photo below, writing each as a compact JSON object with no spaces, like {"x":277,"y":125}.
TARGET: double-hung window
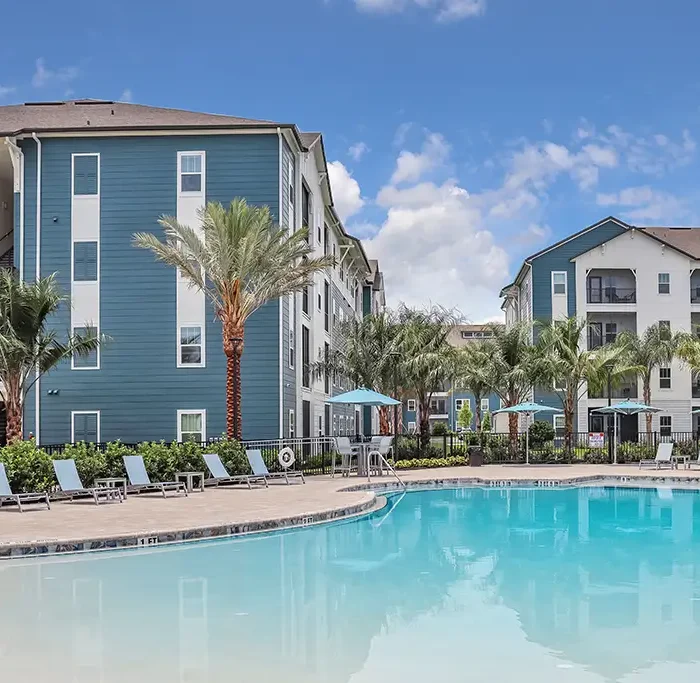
{"x":292,"y":324}
{"x":559,"y":282}
{"x":292,"y":424}
{"x":191,"y":344}
{"x":305,"y":357}
{"x":664,"y":283}
{"x":191,"y":425}
{"x":459,"y":402}
{"x":191,"y":165}
{"x":411,"y":405}
{"x":664,"y":378}
{"x":306,"y":211}
{"x":665,"y":425}
{"x":484,"y":405}
{"x":665,"y":329}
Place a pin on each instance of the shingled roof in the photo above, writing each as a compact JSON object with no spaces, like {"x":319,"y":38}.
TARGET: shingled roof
{"x":686,"y":240}
{"x":84,"y":115}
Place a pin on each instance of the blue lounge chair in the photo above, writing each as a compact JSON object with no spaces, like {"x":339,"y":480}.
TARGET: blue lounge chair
{"x":257,"y":464}
{"x":69,"y":482}
{"x":6,"y":495}
{"x":220,"y":474}
{"x":140,"y":481}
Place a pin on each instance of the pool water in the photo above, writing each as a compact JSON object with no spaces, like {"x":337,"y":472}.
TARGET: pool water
{"x":578,"y":584}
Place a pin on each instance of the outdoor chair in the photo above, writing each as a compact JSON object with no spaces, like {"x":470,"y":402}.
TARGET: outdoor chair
{"x":6,"y":495}
{"x":663,"y":457}
{"x":347,"y":452}
{"x":379,"y":452}
{"x":257,"y":464}
{"x":139,"y":480}
{"x":69,"y":482}
{"x":219,"y":473}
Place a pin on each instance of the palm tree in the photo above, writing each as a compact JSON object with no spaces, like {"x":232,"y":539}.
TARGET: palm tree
{"x":563,"y":363}
{"x":470,"y":375}
{"x":426,"y":358}
{"x":657,"y":347}
{"x":240,"y":259}
{"x":369,"y":358}
{"x":511,"y":368}
{"x":28,"y":349}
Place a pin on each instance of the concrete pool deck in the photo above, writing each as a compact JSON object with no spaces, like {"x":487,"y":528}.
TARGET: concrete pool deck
{"x":227,"y":511}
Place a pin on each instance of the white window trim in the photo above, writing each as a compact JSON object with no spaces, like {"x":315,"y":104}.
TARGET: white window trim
{"x":658,"y":284}
{"x":180,"y":413}
{"x":72,"y":356}
{"x":72,"y":175}
{"x":670,"y":378}
{"x":566,"y":282}
{"x":292,"y":426}
{"x":411,"y":402}
{"x":460,"y":406}
{"x":202,"y":189}
{"x":81,"y":283}
{"x":488,"y":405}
{"x":559,"y":422}
{"x":202,"y":362}
{"x":670,"y":427}
{"x":291,"y":190}
{"x":73,"y":413}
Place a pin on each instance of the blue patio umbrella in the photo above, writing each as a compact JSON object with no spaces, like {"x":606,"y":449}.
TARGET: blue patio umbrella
{"x":624,"y":408}
{"x":364,"y":397}
{"x":528,"y":408}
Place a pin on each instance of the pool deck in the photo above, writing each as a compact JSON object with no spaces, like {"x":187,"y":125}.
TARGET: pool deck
{"x":226,"y":511}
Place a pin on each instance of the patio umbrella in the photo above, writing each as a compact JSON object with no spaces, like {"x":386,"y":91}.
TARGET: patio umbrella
{"x":624,"y":408}
{"x":364,"y":397}
{"x":528,"y":408}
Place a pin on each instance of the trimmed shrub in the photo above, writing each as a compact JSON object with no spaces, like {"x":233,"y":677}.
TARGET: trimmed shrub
{"x":431,"y":462}
{"x":90,"y":463}
{"x":28,"y":468}
{"x":232,"y":454}
{"x":440,"y":429}
{"x":540,"y":433}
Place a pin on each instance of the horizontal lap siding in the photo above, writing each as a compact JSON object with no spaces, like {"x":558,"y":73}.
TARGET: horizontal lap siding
{"x":138,"y":388}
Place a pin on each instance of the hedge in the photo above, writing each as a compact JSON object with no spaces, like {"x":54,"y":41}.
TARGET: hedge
{"x":29,"y":469}
{"x":452,"y":461}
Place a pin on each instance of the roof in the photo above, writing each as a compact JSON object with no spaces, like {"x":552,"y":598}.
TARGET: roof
{"x":84,"y":115}
{"x":686,"y":240}
{"x":309,"y":139}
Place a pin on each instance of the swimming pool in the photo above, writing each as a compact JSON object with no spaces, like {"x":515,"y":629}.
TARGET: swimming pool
{"x":472,"y":584}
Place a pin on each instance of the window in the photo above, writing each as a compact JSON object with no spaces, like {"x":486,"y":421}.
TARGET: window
{"x":559,"y":425}
{"x":335,"y":313}
{"x":327,"y":374}
{"x":91,"y":360}
{"x":319,"y":301}
{"x":292,"y":324}
{"x":292,"y":424}
{"x":411,"y":405}
{"x":85,"y":174}
{"x":305,"y":358}
{"x":306,"y":211}
{"x":484,"y":405}
{"x":191,"y":347}
{"x":191,"y":164}
{"x":559,"y":282}
{"x":318,"y":238}
{"x":664,"y":283}
{"x":665,"y":329}
{"x":459,"y":402}
{"x":291,"y":219}
{"x":320,"y":425}
{"x":85,"y":426}
{"x":664,"y":378}
{"x":326,"y":306}
{"x":305,"y":299}
{"x":610,"y":333}
{"x":84,"y":261}
{"x":411,"y":427}
{"x":325,"y":240}
{"x":191,"y":425}
{"x":665,"y":425}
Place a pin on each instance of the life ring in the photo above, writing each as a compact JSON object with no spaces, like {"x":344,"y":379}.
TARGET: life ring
{"x":286,"y":457}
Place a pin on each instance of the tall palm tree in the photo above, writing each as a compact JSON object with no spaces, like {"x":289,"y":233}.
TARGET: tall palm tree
{"x":240,"y":259}
{"x":470,"y":374}
{"x":563,"y":363}
{"x":28,"y":348}
{"x":426,"y":358}
{"x":369,"y":358}
{"x":657,"y":347}
{"x":511,"y":367}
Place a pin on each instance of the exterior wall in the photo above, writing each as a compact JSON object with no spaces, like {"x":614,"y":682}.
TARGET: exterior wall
{"x":138,"y":388}
{"x":290,"y":309}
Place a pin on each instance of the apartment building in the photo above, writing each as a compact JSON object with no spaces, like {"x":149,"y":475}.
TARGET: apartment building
{"x":618,"y":277}
{"x":446,"y":403}
{"x":78,"y":178}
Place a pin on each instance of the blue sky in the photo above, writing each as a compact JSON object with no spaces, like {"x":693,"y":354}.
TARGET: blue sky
{"x":463,"y":134}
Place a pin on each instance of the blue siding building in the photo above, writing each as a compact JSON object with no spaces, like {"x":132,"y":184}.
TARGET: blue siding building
{"x":86,"y":175}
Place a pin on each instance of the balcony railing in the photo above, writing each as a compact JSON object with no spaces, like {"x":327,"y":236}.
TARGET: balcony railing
{"x":626,"y":390}
{"x":595,"y":341}
{"x":611,"y":295}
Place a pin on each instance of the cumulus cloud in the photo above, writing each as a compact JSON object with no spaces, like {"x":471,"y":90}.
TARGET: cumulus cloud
{"x":358,"y":150}
{"x":411,"y":166}
{"x":126,"y":95}
{"x":443,"y":10}
{"x":644,"y":204}
{"x":346,"y":190}
{"x":44,"y":76}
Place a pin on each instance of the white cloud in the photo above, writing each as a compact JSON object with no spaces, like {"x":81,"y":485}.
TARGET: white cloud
{"x":346,"y":190}
{"x":45,"y":76}
{"x":358,"y":150}
{"x":645,"y":204}
{"x":126,"y":95}
{"x":410,"y":166}
{"x":6,"y":90}
{"x":444,"y":10}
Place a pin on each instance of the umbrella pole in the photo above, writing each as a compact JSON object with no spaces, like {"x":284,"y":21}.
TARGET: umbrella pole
{"x":615,"y":438}
{"x":527,"y":440}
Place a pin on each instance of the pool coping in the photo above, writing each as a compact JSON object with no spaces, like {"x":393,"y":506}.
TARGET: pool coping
{"x":155,"y":539}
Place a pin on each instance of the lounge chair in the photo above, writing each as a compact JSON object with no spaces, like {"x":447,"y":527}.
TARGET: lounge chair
{"x":69,"y":482}
{"x":257,"y":464}
{"x":6,"y":495}
{"x":663,"y":457}
{"x":219,"y":473}
{"x":139,"y":480}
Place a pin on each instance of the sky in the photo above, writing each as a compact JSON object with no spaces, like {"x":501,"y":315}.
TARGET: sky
{"x":462,"y":135}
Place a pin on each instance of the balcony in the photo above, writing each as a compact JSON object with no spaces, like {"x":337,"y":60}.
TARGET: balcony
{"x":626,"y":389}
{"x":611,"y":295}
{"x":610,"y":286}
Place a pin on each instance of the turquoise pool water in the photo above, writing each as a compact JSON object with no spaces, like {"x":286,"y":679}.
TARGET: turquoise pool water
{"x":580,"y":584}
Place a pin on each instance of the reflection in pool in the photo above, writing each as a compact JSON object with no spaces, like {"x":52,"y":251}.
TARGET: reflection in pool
{"x":586,"y":584}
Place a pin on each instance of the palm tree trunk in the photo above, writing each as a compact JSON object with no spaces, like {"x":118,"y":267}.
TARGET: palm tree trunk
{"x":569,"y":421}
{"x":477,"y":411}
{"x":233,"y":348}
{"x":383,"y":420}
{"x":513,"y":430}
{"x":646,"y":391}
{"x":424,"y":428}
{"x":13,"y":410}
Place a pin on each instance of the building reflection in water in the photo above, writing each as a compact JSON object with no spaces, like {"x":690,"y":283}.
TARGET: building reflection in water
{"x":603,"y":579}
